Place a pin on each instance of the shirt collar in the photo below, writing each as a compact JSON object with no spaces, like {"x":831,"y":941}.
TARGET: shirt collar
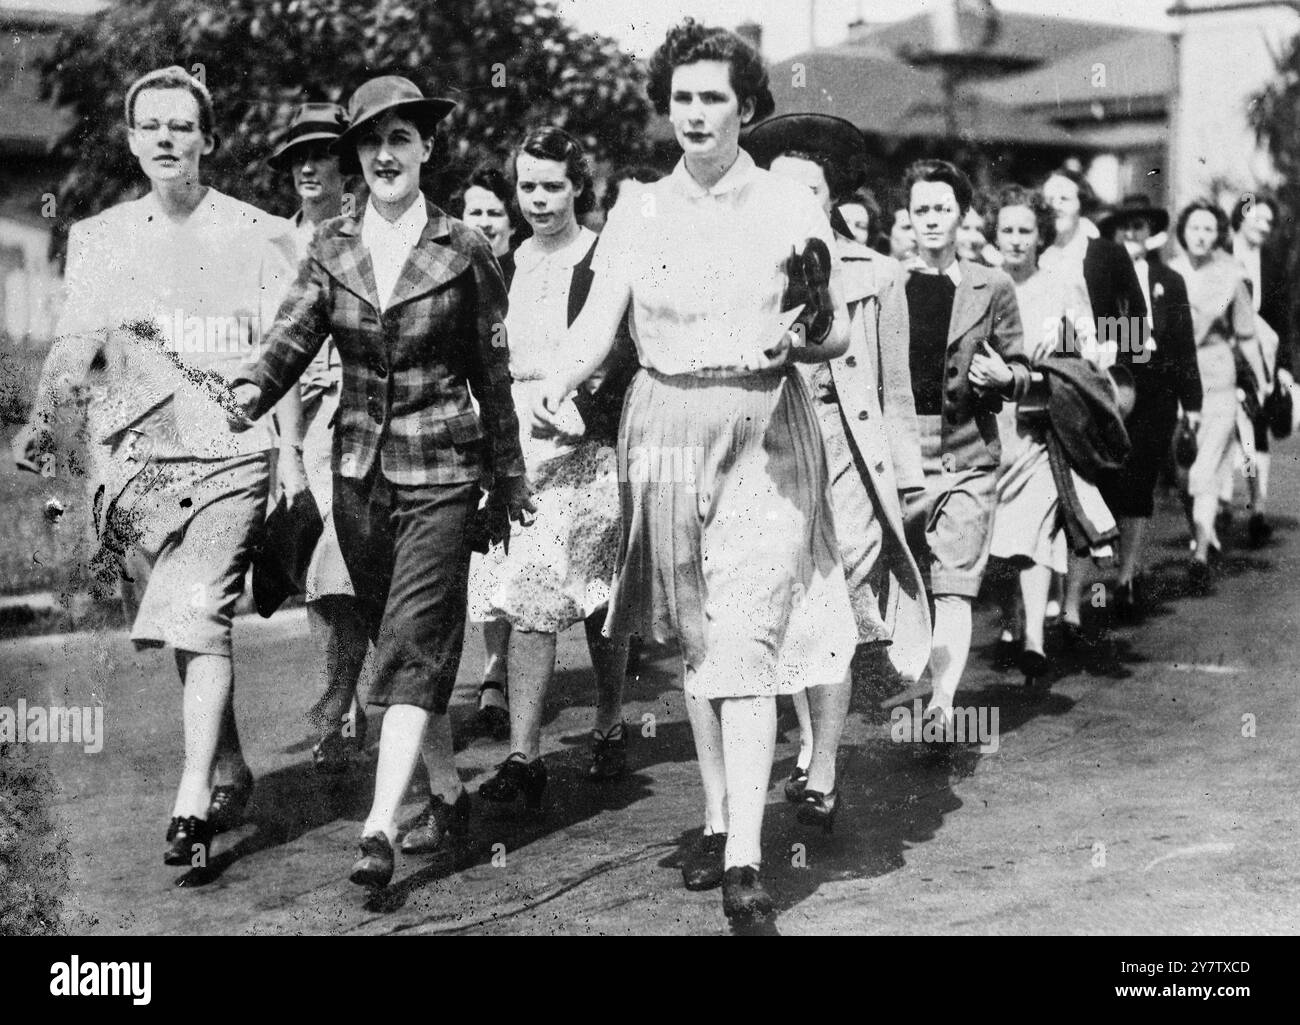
{"x":409,"y":225}
{"x":530,"y":254}
{"x":915,"y":265}
{"x":738,"y":175}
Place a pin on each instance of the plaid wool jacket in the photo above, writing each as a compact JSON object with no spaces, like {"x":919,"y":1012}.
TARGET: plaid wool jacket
{"x":408,"y":371}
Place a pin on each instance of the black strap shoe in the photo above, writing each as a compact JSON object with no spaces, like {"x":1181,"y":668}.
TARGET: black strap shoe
{"x":436,"y":822}
{"x":188,"y":838}
{"x":608,"y":754}
{"x":375,"y":866}
{"x":702,"y":868}
{"x":227,"y":804}
{"x":517,"y":777}
{"x":743,"y":898}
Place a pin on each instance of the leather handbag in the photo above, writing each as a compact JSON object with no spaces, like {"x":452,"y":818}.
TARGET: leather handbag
{"x":1184,"y":443}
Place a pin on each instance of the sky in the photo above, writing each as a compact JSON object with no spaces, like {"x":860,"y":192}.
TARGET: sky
{"x":640,"y":24}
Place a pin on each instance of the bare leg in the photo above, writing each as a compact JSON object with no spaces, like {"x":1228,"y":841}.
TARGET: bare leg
{"x":496,"y":646}
{"x":1035,"y":584}
{"x":949,"y":649}
{"x":1131,"y":531}
{"x":1204,"y":510}
{"x":1077,"y":579}
{"x":207,"y":681}
{"x":609,"y":662}
{"x":803,"y":713}
{"x":748,"y":746}
{"x":707,"y":730}
{"x":532,"y":664}
{"x":399,"y":747}
{"x":829,"y":708}
{"x":337,"y":630}
{"x":439,"y":760}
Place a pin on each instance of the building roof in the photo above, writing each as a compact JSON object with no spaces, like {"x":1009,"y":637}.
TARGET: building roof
{"x":1038,"y":38}
{"x":887,"y":97}
{"x":1138,"y":66}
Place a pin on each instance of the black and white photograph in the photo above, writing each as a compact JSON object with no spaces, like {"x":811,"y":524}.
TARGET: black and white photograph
{"x":594,"y":468}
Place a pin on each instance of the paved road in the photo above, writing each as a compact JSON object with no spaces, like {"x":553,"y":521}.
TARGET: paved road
{"x":1129,"y":800}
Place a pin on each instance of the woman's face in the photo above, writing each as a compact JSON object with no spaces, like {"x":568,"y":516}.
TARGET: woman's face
{"x":805,"y":173}
{"x":546,"y":195}
{"x":705,"y":111}
{"x":165,"y":136}
{"x":935,"y":216}
{"x":316,"y":174}
{"x":486,"y":211}
{"x":858,"y":219}
{"x":970,"y":235}
{"x":1134,"y":234}
{"x":391,"y":153}
{"x":1201,"y":233}
{"x":1017,"y":237}
{"x":902,"y":239}
{"x":1062,"y":196}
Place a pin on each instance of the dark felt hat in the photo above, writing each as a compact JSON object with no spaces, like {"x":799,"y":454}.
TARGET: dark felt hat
{"x":378,"y":97}
{"x":1136,"y":205}
{"x":818,"y":134}
{"x":311,"y":122}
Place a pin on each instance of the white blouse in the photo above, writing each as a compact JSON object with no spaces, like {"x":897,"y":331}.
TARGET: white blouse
{"x":705,"y":266}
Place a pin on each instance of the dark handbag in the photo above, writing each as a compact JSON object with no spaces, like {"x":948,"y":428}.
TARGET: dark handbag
{"x":808,"y":280}
{"x":1277,"y":410}
{"x":1248,"y":385}
{"x":281,"y":561}
{"x":1184,"y":444}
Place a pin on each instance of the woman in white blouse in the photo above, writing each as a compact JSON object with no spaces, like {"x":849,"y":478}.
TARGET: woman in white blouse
{"x":728,"y":542}
{"x":558,"y":569}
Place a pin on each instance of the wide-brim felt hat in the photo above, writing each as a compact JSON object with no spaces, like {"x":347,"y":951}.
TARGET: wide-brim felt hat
{"x":821,"y":134}
{"x":380,"y":96}
{"x":1136,"y":205}
{"x":311,"y":122}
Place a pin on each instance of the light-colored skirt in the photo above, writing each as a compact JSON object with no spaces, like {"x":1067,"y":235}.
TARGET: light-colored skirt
{"x":327,"y":573}
{"x":728,"y":534}
{"x":1027,"y":524}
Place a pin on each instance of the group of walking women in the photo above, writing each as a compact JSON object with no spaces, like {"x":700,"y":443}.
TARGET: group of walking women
{"x":483,"y":428}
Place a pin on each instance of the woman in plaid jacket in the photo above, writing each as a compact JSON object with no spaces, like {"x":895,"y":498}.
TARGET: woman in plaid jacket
{"x":415,"y":303}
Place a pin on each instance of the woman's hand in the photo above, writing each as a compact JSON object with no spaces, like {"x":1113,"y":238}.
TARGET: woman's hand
{"x":515,"y":496}
{"x":545,"y":414}
{"x":247,"y":396}
{"x":768,"y":359}
{"x":988,"y":370}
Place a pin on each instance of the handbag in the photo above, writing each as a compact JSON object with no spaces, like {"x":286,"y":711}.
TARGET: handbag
{"x":1278,"y":409}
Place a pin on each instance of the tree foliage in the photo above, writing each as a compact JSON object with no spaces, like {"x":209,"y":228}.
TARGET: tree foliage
{"x":511,"y":63}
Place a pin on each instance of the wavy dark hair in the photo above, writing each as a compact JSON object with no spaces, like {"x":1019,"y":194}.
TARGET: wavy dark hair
{"x":643,"y":173}
{"x":491,"y":178}
{"x":1250,"y":199}
{"x":1032,"y":199}
{"x":1209,"y":206}
{"x":689,"y":43}
{"x":551,"y":143}
{"x":1089,"y":204}
{"x":943,"y":172}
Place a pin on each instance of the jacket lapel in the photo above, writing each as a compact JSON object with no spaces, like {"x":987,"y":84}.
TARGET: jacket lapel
{"x":969,"y":303}
{"x":348,"y":262}
{"x":431,"y":263}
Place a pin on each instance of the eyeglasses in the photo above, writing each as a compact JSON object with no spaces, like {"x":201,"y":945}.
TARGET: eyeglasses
{"x":173,"y":127}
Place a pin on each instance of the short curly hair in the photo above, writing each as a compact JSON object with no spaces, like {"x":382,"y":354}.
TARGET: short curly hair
{"x":1210,"y":207}
{"x":941,"y":172}
{"x":490,"y":178}
{"x":1089,"y":202}
{"x":1032,"y":199}
{"x":689,"y":43}
{"x":551,"y":143}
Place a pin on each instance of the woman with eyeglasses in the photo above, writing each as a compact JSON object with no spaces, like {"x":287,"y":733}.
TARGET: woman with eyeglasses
{"x":172,"y":291}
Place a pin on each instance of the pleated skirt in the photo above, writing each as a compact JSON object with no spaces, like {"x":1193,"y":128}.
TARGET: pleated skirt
{"x":728,"y":544}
